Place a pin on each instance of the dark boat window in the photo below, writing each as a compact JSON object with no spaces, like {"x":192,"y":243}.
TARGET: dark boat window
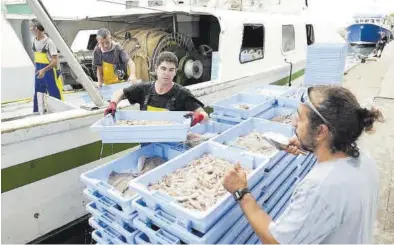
{"x":310,"y":34}
{"x":252,"y":43}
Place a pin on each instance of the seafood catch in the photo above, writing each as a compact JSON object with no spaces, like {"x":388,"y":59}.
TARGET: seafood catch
{"x":143,"y":122}
{"x":242,"y":106}
{"x":198,"y":185}
{"x":121,"y":180}
{"x":283,"y":119}
{"x":255,"y":143}
{"x":194,"y":139}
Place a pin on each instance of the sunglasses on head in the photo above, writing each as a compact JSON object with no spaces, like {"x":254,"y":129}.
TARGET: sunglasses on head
{"x":304,"y":99}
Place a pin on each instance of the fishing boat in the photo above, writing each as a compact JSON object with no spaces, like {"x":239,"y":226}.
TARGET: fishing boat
{"x":367,"y":28}
{"x":223,"y":47}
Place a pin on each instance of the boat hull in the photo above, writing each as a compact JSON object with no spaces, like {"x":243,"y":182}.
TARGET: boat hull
{"x":367,"y":34}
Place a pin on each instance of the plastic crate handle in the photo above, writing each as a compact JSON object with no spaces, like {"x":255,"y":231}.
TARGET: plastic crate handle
{"x":107,"y":203}
{"x":114,"y":236}
{"x":166,"y":237}
{"x":107,"y":217}
{"x":140,"y":240}
{"x":105,"y":186}
{"x":175,"y":223}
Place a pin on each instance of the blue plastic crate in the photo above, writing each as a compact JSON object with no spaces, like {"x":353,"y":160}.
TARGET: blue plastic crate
{"x":156,"y":236}
{"x":254,"y":239}
{"x":225,"y":119}
{"x":277,"y":112}
{"x":325,"y":64}
{"x":141,"y":238}
{"x":98,"y":237}
{"x":107,"y":91}
{"x":210,"y":127}
{"x":294,"y":94}
{"x":273,"y":91}
{"x":126,"y":231}
{"x":198,"y":220}
{"x":170,"y":222}
{"x":96,"y":179}
{"x":257,"y":104}
{"x":260,"y":125}
{"x":107,"y":233}
{"x":123,"y":220}
{"x":111,"y":133}
{"x":103,"y":203}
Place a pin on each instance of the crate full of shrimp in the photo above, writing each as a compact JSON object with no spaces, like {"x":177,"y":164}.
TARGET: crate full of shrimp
{"x":282,"y":112}
{"x":190,"y":185}
{"x":132,"y":126}
{"x":242,"y":105}
{"x":148,"y":218}
{"x":249,"y":136}
{"x":111,"y":180}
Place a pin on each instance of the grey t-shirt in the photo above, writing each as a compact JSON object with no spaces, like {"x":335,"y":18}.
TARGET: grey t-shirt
{"x":335,"y":203}
{"x":109,"y":57}
{"x":49,"y":44}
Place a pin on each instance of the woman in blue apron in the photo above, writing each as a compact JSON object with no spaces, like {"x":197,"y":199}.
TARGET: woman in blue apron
{"x":48,"y":79}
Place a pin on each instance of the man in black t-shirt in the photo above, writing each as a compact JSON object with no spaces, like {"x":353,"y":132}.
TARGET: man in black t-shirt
{"x":162,"y":95}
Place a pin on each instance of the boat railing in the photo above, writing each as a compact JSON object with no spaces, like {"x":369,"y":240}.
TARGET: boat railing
{"x":238,"y":5}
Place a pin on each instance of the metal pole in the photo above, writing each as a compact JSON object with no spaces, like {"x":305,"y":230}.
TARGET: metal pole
{"x":46,"y":20}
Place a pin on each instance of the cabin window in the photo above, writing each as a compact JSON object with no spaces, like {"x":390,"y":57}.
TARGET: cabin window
{"x":92,"y":42}
{"x":252,"y":43}
{"x":310,"y":34}
{"x":288,"y":38}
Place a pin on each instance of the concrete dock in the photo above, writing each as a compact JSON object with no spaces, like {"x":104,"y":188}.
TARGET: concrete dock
{"x":373,"y":84}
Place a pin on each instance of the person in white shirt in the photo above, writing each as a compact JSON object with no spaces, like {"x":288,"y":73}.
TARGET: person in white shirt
{"x":337,"y":201}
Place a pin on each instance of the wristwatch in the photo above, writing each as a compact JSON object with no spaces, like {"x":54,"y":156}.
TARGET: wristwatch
{"x":239,"y":194}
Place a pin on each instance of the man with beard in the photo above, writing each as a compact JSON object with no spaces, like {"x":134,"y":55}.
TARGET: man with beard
{"x":337,"y":201}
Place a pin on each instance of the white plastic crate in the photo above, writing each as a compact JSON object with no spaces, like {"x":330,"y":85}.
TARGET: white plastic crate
{"x":325,"y":64}
{"x":229,"y":137}
{"x":141,"y":238}
{"x":200,"y":221}
{"x":107,"y":91}
{"x":156,"y":236}
{"x":96,"y":179}
{"x":210,"y":127}
{"x":107,"y":233}
{"x":111,"y":133}
{"x":257,"y":104}
{"x":170,"y":222}
{"x":98,"y":237}
{"x":127,"y":232}
{"x":273,"y":91}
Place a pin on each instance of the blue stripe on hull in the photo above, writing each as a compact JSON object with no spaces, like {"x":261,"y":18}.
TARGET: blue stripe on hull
{"x":365,"y":33}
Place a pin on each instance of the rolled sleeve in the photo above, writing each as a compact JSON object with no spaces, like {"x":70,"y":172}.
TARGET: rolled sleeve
{"x":97,"y":57}
{"x":308,"y":218}
{"x":52,"y":48}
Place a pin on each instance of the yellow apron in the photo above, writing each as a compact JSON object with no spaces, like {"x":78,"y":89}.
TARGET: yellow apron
{"x":110,"y":75}
{"x":51,"y":83}
{"x":152,"y":108}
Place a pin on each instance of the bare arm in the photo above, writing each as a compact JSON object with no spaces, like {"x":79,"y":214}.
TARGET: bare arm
{"x":52,"y":64}
{"x":118,"y":96}
{"x":131,"y":66}
{"x":100,"y":78}
{"x":258,"y":219}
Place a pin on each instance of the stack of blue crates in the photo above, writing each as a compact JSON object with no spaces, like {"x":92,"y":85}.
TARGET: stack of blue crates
{"x":152,"y":217}
{"x":325,"y":63}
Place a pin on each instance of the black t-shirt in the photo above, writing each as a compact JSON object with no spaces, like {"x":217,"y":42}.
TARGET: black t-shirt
{"x":184,"y":100}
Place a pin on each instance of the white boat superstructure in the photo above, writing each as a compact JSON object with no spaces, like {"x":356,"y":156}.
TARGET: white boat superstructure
{"x":249,"y":46}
